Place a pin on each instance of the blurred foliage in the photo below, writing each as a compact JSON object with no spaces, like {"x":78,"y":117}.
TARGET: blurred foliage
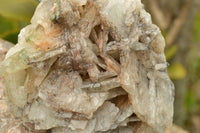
{"x":20,"y":10}
{"x":192,"y":101}
{"x":196,"y":29}
{"x":14,"y":15}
{"x":177,"y":71}
{"x":170,"y":52}
{"x":193,"y":94}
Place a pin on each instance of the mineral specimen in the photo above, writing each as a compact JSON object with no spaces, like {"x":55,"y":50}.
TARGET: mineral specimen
{"x":90,"y":66}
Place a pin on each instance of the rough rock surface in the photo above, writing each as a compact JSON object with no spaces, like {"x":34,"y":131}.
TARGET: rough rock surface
{"x":90,"y":66}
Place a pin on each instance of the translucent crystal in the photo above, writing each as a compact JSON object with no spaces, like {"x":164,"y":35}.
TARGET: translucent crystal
{"x":85,"y":66}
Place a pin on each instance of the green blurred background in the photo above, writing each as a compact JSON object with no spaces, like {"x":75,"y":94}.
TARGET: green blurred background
{"x":179,"y":21}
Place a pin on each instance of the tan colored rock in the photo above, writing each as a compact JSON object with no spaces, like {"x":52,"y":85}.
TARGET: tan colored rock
{"x":175,"y":129}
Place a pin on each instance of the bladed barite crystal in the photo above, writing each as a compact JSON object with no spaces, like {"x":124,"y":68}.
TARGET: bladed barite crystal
{"x":90,"y":66}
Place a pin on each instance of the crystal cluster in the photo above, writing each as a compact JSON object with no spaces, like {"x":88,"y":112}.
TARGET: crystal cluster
{"x":90,"y":66}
